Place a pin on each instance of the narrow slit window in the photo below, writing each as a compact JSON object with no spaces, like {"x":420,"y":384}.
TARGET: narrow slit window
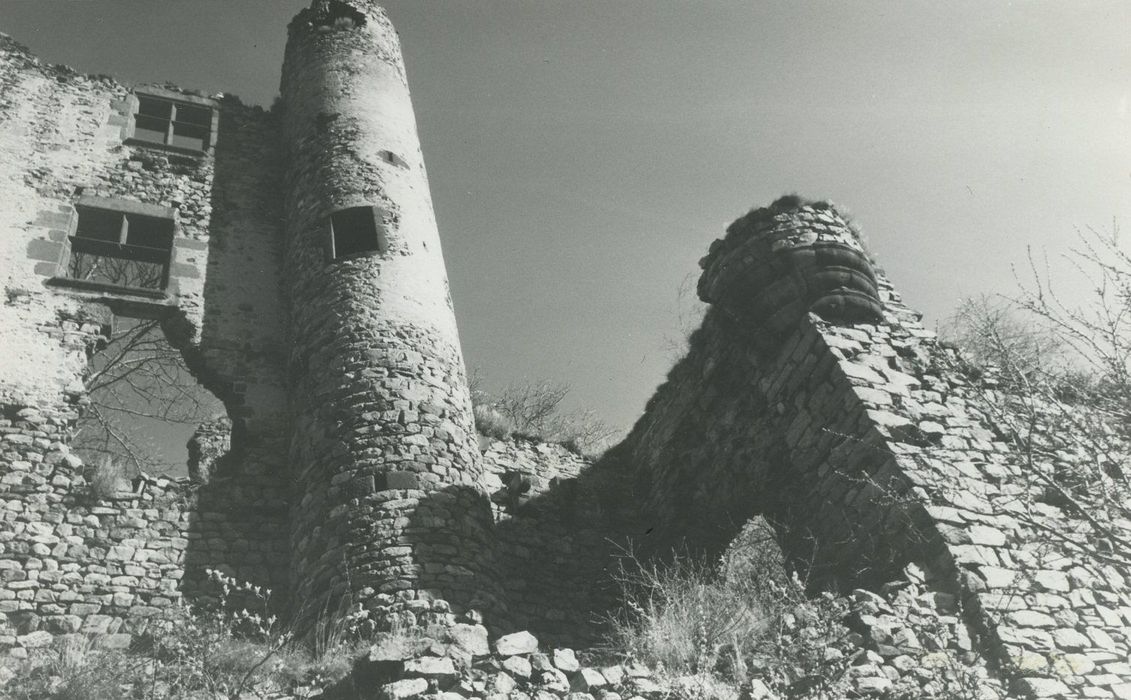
{"x":356,"y":231}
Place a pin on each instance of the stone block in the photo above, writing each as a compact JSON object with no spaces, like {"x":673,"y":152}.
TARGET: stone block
{"x":517,"y":666}
{"x":1121,"y":691}
{"x":404,"y":689}
{"x":565,"y":660}
{"x":434,"y":668}
{"x":502,"y":684}
{"x":1030,"y":618}
{"x":516,"y":643}
{"x":470,"y":638}
{"x":1043,"y":687}
{"x":49,"y":251}
{"x":392,"y":646}
{"x":587,"y":679}
{"x":40,"y":638}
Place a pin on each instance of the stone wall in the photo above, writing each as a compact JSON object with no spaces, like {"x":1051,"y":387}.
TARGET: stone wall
{"x":74,"y":555}
{"x":865,"y":443}
{"x":558,"y":533}
{"x":99,"y":553}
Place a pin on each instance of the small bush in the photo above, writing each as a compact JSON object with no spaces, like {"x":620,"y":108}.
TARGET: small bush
{"x":227,"y":649}
{"x":680,"y":618}
{"x":490,"y":422}
{"x":73,"y":669}
{"x":735,"y":622}
{"x":107,"y":478}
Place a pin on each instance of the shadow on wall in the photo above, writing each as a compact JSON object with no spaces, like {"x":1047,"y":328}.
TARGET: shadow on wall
{"x":452,"y":542}
{"x":240,"y":521}
{"x":743,"y":428}
{"x":236,"y":526}
{"x":556,"y":551}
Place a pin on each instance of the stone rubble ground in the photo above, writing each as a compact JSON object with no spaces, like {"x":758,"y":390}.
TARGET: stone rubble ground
{"x":909,"y":642}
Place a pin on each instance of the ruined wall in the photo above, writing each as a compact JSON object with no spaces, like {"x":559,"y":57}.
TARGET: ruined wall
{"x":861,"y":439}
{"x":104,"y":557}
{"x":74,"y":558}
{"x":559,"y":529}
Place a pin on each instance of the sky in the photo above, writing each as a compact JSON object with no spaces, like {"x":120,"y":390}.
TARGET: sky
{"x":583,"y":155}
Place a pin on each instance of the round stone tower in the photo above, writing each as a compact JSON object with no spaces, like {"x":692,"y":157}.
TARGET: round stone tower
{"x":790,"y":258}
{"x":383,"y":450}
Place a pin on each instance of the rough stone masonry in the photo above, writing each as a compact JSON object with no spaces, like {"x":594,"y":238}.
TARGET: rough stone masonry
{"x":304,"y":284}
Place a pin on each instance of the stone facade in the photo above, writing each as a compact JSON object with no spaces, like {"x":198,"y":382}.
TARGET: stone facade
{"x":77,"y":557}
{"x":305,"y":287}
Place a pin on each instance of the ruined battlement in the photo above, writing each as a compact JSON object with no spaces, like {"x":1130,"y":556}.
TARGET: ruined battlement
{"x":780,"y":262}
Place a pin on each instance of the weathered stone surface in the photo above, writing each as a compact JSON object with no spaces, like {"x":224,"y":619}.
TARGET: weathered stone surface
{"x":393,"y":646}
{"x":470,"y":638}
{"x":431,"y":667}
{"x":565,"y":660}
{"x":1043,"y":687}
{"x":517,"y":666}
{"x":516,"y":643}
{"x":502,"y":683}
{"x":404,"y":689}
{"x":588,"y":680}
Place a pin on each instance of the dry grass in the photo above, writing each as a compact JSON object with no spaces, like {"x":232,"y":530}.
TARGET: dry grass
{"x":107,"y":478}
{"x":491,"y":422}
{"x":682,"y":617}
{"x":220,"y":651}
{"x":731,"y":622}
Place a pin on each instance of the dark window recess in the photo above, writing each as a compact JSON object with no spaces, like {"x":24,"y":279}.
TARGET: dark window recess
{"x":120,"y":249}
{"x":172,"y":123}
{"x":393,"y":158}
{"x":356,"y":230}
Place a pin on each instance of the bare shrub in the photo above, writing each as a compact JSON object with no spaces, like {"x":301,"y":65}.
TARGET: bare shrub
{"x":1061,"y":394}
{"x":74,"y":669}
{"x":232,"y":647}
{"x":491,"y":422}
{"x":744,"y":619}
{"x":137,"y":378}
{"x":678,"y":617}
{"x":532,"y":406}
{"x":993,"y":331}
{"x":584,"y":432}
{"x":223,"y":648}
{"x":106,"y":478}
{"x":1098,"y":332}
{"x":534,"y":409}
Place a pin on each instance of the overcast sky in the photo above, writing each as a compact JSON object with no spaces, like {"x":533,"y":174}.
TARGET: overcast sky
{"x":583,"y":155}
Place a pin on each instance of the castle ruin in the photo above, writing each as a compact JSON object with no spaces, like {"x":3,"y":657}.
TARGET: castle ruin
{"x":293,"y":258}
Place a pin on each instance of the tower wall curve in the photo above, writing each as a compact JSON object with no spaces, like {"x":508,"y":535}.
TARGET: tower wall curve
{"x":383,"y":451}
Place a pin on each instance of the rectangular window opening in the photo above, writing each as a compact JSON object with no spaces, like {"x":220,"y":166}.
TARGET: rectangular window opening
{"x":355,"y":231}
{"x":120,"y":249}
{"x":200,"y":116}
{"x":168,"y":122}
{"x":153,"y":107}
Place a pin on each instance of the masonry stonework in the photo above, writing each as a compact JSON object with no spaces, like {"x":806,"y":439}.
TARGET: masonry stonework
{"x":383,"y":446}
{"x":307,"y":290}
{"x":858,"y":435}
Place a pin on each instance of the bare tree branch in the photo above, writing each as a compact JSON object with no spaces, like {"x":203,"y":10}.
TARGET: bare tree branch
{"x":138,"y":375}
